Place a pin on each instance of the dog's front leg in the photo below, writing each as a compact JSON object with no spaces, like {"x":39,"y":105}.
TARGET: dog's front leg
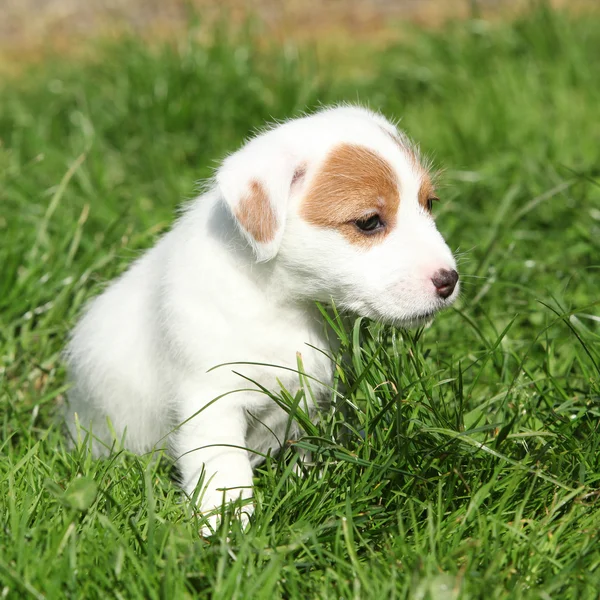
{"x":211,"y":452}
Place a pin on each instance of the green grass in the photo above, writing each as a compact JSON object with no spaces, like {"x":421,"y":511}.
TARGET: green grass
{"x":463,"y":462}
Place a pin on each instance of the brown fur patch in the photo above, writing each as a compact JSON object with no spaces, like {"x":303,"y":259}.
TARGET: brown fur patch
{"x":426,"y":191}
{"x":407,"y":148}
{"x":255,"y":214}
{"x":353,"y":183}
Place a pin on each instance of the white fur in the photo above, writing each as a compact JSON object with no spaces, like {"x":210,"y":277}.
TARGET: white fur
{"x":208,"y":293}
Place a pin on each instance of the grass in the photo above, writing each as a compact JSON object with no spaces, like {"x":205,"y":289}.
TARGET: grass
{"x":462,"y":461}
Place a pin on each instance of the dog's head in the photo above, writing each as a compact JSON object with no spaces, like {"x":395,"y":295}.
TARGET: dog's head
{"x":342,"y":203}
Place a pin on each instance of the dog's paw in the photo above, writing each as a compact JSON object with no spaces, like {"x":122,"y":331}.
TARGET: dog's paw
{"x":212,"y":520}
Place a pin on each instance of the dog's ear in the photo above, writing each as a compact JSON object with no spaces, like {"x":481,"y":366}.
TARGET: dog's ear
{"x":255,"y":183}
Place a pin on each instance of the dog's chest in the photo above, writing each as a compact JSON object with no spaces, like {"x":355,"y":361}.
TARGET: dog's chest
{"x":299,"y":378}
{"x":293,"y":356}
{"x":273,"y":421}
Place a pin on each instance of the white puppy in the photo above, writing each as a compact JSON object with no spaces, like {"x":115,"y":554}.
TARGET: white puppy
{"x":333,"y":206}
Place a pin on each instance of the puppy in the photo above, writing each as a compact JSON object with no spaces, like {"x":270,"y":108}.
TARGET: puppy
{"x":332,"y":206}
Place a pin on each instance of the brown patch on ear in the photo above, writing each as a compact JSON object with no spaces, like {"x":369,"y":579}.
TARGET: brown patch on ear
{"x":255,"y":214}
{"x":353,"y":183}
{"x":426,"y":191}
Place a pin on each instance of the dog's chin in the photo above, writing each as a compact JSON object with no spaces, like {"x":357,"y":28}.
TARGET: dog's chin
{"x":416,"y":321}
{"x":424,"y":319}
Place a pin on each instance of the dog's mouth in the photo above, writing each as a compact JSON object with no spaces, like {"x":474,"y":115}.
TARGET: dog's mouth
{"x":409,"y":320}
{"x":419,"y":320}
{"x":423,"y":319}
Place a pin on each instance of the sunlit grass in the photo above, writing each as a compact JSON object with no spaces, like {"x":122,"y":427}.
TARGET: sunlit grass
{"x":460,"y":461}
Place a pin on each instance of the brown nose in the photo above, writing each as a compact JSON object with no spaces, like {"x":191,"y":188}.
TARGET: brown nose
{"x":445,"y":282}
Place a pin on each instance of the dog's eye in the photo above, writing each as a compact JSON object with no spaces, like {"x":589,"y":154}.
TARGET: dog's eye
{"x":369,"y":224}
{"x":430,"y":202}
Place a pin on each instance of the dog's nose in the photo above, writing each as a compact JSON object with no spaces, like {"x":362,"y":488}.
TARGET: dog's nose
{"x":445,"y":282}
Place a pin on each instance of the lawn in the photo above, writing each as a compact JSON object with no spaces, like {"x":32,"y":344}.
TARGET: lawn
{"x":461,"y":461}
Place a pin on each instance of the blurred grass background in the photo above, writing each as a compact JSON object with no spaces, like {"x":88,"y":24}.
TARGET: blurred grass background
{"x":463,"y":461}
{"x":31,"y":29}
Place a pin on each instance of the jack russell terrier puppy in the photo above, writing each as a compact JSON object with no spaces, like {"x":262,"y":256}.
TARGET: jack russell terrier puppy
{"x":335,"y":206}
